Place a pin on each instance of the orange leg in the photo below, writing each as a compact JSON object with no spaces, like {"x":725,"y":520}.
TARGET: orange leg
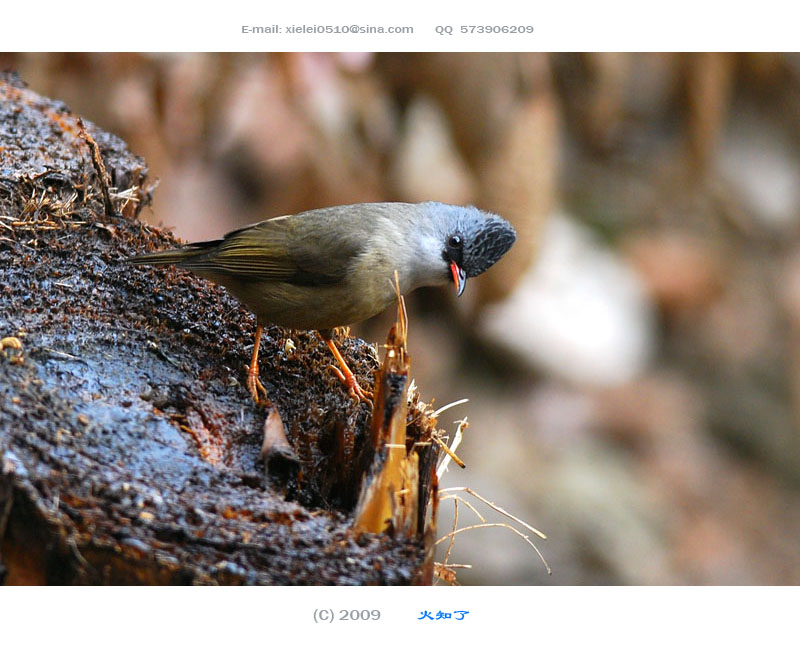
{"x":345,"y":374}
{"x":253,"y":382}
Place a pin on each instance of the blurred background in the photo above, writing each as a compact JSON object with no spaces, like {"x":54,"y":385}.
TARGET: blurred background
{"x":632,"y":366}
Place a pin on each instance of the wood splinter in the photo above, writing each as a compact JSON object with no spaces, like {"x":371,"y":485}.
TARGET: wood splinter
{"x":389,"y":499}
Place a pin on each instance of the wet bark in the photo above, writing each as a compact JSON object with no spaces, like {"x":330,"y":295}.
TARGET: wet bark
{"x":129,"y":446}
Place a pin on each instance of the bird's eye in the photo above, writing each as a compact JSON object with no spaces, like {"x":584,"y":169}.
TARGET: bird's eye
{"x":454,"y":242}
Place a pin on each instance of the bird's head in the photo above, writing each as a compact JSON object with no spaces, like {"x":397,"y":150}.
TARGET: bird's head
{"x":471,"y":240}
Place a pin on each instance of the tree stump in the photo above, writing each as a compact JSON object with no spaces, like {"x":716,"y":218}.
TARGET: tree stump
{"x":129,"y":446}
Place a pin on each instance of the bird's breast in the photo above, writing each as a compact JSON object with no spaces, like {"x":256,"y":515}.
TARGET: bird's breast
{"x":313,"y":307}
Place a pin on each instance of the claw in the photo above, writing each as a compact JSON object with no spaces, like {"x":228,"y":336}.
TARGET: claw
{"x":352,"y":385}
{"x":345,"y":374}
{"x":254,"y":385}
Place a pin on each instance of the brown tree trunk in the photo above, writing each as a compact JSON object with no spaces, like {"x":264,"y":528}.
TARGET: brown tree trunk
{"x":129,"y":446}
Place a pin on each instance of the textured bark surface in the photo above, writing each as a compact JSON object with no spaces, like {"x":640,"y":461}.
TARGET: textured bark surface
{"x":129,"y":446}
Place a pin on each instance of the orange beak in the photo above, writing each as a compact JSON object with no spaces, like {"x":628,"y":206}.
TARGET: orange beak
{"x":459,"y":278}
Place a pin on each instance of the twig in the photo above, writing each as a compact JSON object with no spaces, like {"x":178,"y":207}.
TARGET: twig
{"x":451,"y":450}
{"x":450,"y":456}
{"x":441,"y":410}
{"x":452,"y":537}
{"x":455,"y":497}
{"x":500,"y":525}
{"x":448,"y":495}
{"x":99,"y":167}
{"x":496,"y":508}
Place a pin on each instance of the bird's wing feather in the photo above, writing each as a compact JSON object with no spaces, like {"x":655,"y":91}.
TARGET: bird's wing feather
{"x":300,"y":249}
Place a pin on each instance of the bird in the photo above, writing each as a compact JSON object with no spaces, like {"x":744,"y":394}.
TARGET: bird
{"x":339,"y":265}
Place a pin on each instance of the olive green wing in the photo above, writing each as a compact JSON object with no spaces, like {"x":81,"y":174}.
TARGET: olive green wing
{"x":307,"y":249}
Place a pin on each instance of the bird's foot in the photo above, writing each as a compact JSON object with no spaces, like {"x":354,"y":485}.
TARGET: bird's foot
{"x":254,"y":385}
{"x":352,"y":385}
